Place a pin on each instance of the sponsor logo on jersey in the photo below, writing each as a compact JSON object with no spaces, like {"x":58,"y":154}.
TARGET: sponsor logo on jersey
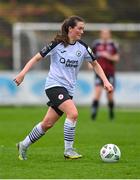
{"x":63,"y":51}
{"x":90,"y":50}
{"x":62,"y":60}
{"x":69,"y":63}
{"x":44,"y":49}
{"x":47,"y":48}
{"x":49,"y":45}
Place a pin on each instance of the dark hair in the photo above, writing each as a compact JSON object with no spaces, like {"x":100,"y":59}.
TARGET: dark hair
{"x":69,"y":22}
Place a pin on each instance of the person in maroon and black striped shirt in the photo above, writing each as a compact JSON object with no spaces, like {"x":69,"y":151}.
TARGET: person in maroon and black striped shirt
{"x":107,"y":53}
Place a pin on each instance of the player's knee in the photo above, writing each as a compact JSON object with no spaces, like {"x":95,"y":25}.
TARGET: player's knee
{"x":73,"y":115}
{"x":47,"y":125}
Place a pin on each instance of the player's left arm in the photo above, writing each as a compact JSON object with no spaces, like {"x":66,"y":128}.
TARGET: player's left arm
{"x":98,"y":69}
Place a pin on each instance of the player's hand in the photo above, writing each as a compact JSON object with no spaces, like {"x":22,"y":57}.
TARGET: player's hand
{"x":105,"y":54}
{"x":18,"y":80}
{"x":108,"y":86}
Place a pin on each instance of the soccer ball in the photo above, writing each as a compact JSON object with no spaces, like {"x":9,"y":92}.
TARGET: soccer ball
{"x":110,"y":153}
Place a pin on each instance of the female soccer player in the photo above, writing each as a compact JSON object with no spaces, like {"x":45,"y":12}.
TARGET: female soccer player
{"x":67,"y":53}
{"x":106,"y":49}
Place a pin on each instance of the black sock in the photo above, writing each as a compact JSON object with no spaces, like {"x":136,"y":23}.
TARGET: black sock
{"x":95,"y":106}
{"x":111,"y":109}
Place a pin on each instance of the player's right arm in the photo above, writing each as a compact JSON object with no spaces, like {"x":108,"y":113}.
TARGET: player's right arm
{"x":47,"y":50}
{"x":19,"y":78}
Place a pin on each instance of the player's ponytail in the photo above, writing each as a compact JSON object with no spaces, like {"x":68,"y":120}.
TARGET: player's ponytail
{"x":69,"y":22}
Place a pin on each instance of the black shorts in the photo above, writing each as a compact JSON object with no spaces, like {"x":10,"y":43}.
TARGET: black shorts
{"x":98,"y":80}
{"x":57,"y":95}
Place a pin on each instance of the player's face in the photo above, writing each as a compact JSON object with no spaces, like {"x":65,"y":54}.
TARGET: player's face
{"x":76,"y":32}
{"x":105,"y":34}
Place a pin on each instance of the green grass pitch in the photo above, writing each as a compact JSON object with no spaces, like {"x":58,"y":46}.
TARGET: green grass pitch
{"x":45,"y":158}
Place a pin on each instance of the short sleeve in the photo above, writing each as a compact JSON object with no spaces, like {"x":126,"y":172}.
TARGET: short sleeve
{"x":48,"y":49}
{"x":89,"y":55}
